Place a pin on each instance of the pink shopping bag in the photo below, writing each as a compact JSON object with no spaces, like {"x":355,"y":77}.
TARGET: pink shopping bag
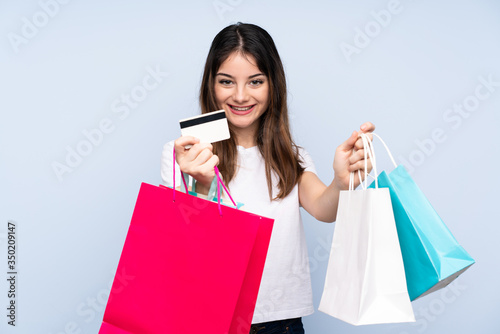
{"x":194,"y":266}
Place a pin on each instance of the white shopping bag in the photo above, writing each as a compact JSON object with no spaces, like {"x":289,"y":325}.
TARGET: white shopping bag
{"x":365,"y":281}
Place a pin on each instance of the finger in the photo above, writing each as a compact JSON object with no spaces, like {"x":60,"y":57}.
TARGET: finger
{"x":357,"y":156}
{"x":358,"y":165}
{"x":186,"y":157}
{"x":349,"y":143}
{"x":183,"y":141}
{"x":359,"y":142}
{"x":202,"y":156}
{"x":207,"y":168}
{"x":196,"y":149}
{"x":211,"y":163}
{"x":367,"y":127}
{"x":201,"y":165}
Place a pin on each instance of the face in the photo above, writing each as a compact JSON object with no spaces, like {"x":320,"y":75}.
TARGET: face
{"x":243,"y":91}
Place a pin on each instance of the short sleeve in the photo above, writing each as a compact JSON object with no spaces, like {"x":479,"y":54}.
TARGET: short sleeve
{"x":307,"y":161}
{"x":167,"y":161}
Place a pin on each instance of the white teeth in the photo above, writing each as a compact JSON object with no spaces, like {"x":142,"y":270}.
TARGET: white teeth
{"x":241,"y":109}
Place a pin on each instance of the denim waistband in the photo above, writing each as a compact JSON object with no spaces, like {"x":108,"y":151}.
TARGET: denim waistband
{"x":284,"y":325}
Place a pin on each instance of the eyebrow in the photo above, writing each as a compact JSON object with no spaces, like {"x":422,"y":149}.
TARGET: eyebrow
{"x":230,"y":76}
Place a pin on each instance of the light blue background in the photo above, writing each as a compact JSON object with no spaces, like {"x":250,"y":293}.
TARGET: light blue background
{"x":65,"y":79}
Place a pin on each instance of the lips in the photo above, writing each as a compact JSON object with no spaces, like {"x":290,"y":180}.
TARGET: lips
{"x":241,"y":110}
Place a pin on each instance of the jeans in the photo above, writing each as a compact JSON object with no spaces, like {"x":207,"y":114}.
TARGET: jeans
{"x":288,"y":326}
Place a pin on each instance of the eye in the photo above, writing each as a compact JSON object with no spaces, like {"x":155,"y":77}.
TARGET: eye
{"x":257,"y":82}
{"x":225,"y":82}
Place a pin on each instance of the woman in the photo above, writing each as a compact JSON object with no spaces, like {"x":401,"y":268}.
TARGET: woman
{"x":263,"y":167}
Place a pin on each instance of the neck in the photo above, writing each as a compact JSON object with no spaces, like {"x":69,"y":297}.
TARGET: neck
{"x":246,"y":137}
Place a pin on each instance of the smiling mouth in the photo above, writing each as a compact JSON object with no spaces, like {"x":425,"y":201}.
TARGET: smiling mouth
{"x":246,"y":108}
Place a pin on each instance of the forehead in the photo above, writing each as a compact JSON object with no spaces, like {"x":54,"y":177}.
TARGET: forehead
{"x":239,"y":64}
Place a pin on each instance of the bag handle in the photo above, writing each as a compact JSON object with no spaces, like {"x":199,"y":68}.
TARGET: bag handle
{"x":368,"y":146}
{"x":368,"y":152}
{"x":387,"y":149}
{"x":182,"y":177}
{"x":219,"y":182}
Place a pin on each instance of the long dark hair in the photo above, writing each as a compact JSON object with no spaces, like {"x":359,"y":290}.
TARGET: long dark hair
{"x":273,"y":137}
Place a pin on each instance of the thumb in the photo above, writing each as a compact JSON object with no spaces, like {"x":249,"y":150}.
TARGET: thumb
{"x":348,"y":145}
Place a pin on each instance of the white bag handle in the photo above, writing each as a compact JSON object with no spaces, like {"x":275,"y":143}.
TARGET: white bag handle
{"x":368,"y":152}
{"x":387,"y":149}
{"x":368,"y":146}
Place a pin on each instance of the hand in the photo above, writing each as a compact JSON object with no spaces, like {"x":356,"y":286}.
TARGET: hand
{"x":197,"y":161}
{"x":349,"y":157}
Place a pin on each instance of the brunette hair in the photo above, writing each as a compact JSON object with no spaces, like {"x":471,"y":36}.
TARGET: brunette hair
{"x":273,"y":138}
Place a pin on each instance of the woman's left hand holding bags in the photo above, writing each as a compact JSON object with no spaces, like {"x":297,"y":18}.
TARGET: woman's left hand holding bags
{"x":349,"y":157}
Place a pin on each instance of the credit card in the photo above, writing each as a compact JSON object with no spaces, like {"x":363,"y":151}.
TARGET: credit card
{"x":209,"y":128}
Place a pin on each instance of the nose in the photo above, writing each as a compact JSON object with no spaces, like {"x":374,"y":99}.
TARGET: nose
{"x":240,"y":94}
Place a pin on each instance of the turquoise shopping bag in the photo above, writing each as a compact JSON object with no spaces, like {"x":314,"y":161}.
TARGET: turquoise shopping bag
{"x":432,"y":256}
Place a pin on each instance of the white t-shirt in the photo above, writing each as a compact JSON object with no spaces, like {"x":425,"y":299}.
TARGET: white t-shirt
{"x":285,"y":290}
